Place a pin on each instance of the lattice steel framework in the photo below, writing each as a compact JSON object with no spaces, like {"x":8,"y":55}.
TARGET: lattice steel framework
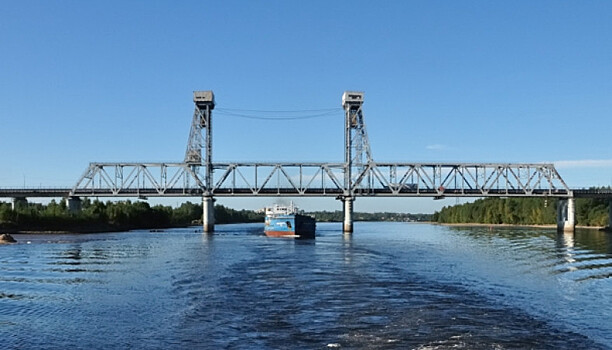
{"x":202,"y":119}
{"x":139,"y":179}
{"x":460,"y":180}
{"x":357,"y":151}
{"x":204,"y":104}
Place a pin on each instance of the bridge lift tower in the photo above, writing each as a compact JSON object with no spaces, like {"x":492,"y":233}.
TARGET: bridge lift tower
{"x":198,"y":141}
{"x":357,"y":153}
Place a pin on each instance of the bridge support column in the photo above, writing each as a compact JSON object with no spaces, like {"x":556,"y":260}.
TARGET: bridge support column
{"x":208,"y":215}
{"x":566,"y":215}
{"x":347,"y":224}
{"x":19,"y":202}
{"x":74,"y":204}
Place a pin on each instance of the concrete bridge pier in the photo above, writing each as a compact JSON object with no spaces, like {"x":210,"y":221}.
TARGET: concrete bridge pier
{"x":19,"y":202}
{"x":347,"y":224}
{"x":566,"y":215}
{"x":74,"y":204}
{"x":208,"y":215}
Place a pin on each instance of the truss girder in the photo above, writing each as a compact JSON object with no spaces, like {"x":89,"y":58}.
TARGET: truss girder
{"x":321,"y":179}
{"x":279,"y":179}
{"x":138,"y":179}
{"x":461,"y":180}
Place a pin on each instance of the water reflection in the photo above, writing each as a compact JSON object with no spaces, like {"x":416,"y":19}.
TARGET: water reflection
{"x":207,"y":237}
{"x":347,"y":248}
{"x":583,"y":255}
{"x":565,"y":245}
{"x":594,"y":240}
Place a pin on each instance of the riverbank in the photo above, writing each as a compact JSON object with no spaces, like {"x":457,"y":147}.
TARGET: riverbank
{"x":515,"y":225}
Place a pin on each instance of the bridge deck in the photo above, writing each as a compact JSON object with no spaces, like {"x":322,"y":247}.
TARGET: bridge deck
{"x":34,"y":192}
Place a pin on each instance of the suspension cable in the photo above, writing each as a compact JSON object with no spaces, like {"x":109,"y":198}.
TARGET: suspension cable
{"x":278,"y":115}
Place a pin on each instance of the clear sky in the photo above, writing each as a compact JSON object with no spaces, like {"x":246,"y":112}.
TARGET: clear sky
{"x":447,"y":81}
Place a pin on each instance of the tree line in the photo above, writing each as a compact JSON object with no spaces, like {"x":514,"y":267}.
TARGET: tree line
{"x":338,"y":215}
{"x":96,"y":216}
{"x":523,"y":211}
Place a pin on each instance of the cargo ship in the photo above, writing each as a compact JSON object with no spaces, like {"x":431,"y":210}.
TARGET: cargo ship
{"x":288,"y":221}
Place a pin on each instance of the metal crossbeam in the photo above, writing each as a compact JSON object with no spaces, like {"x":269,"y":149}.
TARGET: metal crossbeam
{"x":321,"y":179}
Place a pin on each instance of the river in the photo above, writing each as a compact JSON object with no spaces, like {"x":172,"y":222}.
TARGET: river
{"x":388,"y":286}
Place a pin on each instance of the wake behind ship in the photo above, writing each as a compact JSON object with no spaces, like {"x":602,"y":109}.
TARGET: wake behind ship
{"x":287,"y":221}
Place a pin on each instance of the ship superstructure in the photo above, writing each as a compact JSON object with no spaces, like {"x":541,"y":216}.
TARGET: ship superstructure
{"x":288,"y":221}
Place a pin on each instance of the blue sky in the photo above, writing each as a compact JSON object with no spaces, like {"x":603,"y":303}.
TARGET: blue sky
{"x":447,"y":81}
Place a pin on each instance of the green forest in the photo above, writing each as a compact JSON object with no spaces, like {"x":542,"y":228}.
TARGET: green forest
{"x":523,"y":211}
{"x":97,"y":216}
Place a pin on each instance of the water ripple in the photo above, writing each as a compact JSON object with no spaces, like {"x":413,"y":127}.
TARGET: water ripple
{"x":388,"y":286}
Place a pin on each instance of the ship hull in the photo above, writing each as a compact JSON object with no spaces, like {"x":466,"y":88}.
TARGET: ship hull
{"x":295,"y":225}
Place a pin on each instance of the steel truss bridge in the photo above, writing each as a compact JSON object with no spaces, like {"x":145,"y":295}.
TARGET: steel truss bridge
{"x":358,"y":176}
{"x":321,"y":180}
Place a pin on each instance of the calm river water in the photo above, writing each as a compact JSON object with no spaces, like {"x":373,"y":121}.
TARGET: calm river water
{"x":388,"y":286}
